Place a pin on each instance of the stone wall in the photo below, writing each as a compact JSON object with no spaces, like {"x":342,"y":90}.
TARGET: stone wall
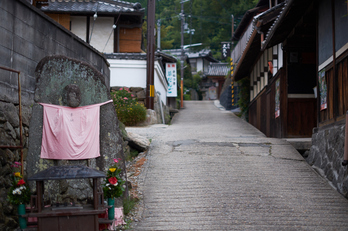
{"x":326,"y":156}
{"x":27,"y":36}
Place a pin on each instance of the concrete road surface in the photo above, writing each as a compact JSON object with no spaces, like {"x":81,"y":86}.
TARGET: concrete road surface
{"x":210,"y":170}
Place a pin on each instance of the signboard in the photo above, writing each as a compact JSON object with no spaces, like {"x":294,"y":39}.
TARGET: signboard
{"x":322,"y":90}
{"x":172,"y":81}
{"x":226,"y":50}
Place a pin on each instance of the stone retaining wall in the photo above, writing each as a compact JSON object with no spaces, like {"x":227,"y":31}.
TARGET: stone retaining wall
{"x":326,"y":156}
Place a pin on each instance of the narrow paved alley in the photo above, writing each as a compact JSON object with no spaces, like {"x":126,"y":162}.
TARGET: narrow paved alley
{"x":210,"y":170}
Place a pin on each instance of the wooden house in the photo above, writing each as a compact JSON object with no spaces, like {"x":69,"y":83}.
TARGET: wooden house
{"x":298,"y":79}
{"x":108,"y":25}
{"x":277,"y":53}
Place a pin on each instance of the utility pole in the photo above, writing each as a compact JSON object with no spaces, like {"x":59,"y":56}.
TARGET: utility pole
{"x":150,"y":55}
{"x":182,"y":54}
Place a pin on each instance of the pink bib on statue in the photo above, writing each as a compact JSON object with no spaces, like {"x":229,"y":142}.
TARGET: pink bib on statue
{"x":70,"y":133}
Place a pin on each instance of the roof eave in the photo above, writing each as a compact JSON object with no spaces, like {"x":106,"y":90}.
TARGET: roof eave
{"x":290,"y":12}
{"x":248,"y":57}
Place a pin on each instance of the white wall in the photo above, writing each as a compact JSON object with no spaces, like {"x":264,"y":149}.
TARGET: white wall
{"x":206,"y":64}
{"x":102,"y":35}
{"x":199,"y":65}
{"x":78,"y":26}
{"x":160,"y":83}
{"x":132,"y":73}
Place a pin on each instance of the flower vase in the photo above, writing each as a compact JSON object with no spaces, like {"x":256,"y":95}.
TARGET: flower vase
{"x":22,"y":220}
{"x":111,"y":210}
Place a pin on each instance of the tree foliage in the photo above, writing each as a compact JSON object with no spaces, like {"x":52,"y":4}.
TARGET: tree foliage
{"x":210,"y":19}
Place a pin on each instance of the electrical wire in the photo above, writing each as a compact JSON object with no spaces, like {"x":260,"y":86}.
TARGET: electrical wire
{"x":113,"y":28}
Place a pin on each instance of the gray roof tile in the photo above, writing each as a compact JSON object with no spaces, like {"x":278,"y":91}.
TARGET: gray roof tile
{"x":218,"y":69}
{"x":91,"y":6}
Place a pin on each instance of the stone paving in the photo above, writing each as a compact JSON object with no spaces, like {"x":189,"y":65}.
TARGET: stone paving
{"x":210,"y":170}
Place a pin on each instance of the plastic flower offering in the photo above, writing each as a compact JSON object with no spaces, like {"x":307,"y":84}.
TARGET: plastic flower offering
{"x":113,"y":180}
{"x":113,"y":185}
{"x":17,"y":174}
{"x":19,"y":192}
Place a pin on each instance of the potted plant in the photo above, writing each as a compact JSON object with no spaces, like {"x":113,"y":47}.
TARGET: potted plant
{"x":113,"y":186}
{"x":19,"y":194}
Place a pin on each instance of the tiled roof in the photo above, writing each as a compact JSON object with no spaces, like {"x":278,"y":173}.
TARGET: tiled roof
{"x":91,"y":6}
{"x":140,"y":56}
{"x":205,"y":53}
{"x":290,"y":14}
{"x":218,"y":69}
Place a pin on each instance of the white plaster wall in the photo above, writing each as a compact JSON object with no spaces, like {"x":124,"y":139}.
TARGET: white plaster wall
{"x":102,"y":30}
{"x":127,"y":73}
{"x":78,"y":26}
{"x":205,"y":65}
{"x":160,"y":83}
{"x":199,"y":65}
{"x":132,"y":73}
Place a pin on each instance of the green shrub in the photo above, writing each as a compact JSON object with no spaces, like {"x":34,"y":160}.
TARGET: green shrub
{"x":128,"y":110}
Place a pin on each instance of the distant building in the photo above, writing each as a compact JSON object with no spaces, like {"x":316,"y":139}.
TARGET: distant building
{"x":212,"y":72}
{"x":198,"y":60}
{"x":214,"y":77}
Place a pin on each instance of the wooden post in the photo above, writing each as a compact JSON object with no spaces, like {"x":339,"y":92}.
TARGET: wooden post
{"x":39,"y":192}
{"x":95,"y":193}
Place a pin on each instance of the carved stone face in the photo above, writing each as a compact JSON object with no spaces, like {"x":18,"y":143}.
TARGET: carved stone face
{"x":73,"y":95}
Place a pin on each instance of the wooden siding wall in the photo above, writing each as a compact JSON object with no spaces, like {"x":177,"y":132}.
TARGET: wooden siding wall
{"x":337,"y":92}
{"x":130,"y":40}
{"x":297,"y":115}
{"x":301,"y":117}
{"x":62,"y":19}
{"x":262,"y":108}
